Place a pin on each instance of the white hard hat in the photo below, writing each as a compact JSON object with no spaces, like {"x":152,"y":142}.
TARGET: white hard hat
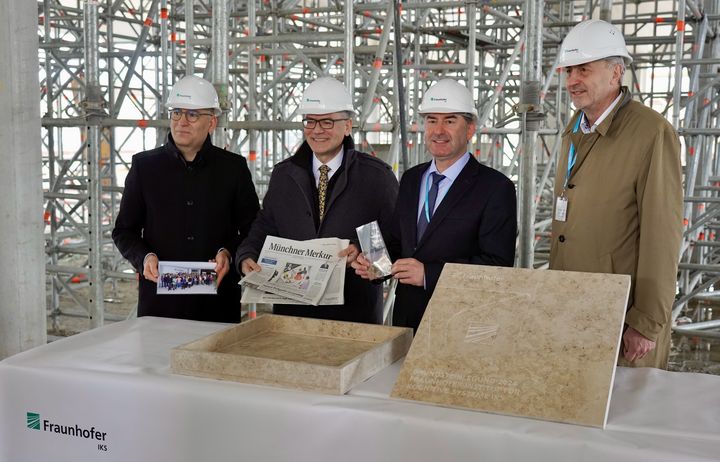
{"x":324,"y":96}
{"x":448,"y":96}
{"x":592,"y":40}
{"x":192,"y":92}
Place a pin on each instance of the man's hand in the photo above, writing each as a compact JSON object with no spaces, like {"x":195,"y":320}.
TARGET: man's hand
{"x":409,"y":271}
{"x":351,"y":252}
{"x":222,"y":264}
{"x":636,"y":345}
{"x":248,"y":266}
{"x":361,"y":266}
{"x":150,"y":268}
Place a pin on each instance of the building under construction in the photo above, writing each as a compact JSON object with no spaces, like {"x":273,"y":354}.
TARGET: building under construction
{"x":101,"y":71}
{"x":106,"y":68}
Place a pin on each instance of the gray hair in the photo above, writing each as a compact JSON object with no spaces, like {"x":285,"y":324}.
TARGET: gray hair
{"x":616,"y":60}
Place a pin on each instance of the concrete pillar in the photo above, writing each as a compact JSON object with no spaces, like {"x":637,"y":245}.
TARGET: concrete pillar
{"x":22,"y":256}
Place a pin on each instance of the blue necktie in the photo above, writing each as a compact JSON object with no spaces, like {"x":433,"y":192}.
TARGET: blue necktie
{"x":430,"y":204}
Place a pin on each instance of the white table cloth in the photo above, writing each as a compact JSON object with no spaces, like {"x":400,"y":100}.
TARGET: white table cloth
{"x":117,"y":380}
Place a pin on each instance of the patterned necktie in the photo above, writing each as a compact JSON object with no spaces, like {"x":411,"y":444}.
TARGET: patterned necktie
{"x":430,"y":204}
{"x":322,"y":189}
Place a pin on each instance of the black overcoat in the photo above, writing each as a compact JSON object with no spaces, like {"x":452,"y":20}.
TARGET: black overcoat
{"x":364,"y":189}
{"x":186,"y":212}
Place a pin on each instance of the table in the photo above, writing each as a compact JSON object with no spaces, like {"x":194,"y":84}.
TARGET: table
{"x":111,"y":391}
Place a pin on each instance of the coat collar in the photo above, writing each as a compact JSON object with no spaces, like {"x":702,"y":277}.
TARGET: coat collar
{"x":603,"y":128}
{"x":200,"y":158}
{"x":462,"y":184}
{"x":624,"y":100}
{"x":585,"y":142}
{"x":303,"y":176}
{"x":303,"y":156}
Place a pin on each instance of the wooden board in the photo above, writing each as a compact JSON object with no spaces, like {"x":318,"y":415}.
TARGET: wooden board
{"x":530,"y":343}
{"x":291,"y":352}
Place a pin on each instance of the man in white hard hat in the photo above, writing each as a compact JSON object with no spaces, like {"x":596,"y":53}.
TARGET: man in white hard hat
{"x":450,"y":210}
{"x":187,"y":201}
{"x":618,"y":193}
{"x":326,"y":189}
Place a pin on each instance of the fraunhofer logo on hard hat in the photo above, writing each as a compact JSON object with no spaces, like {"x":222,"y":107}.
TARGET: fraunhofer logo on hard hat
{"x":312,"y":100}
{"x":183,"y":96}
{"x":444,"y":100}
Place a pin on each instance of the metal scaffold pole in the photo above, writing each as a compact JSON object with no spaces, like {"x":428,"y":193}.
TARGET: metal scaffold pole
{"x":93,"y":106}
{"x":530,"y":111}
{"x":220,"y":71}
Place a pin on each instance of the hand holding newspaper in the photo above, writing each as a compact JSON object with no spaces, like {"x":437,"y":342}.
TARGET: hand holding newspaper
{"x":305,"y":272}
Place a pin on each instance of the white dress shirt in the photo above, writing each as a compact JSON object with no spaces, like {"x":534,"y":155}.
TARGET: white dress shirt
{"x":451,"y":173}
{"x":334,"y":165}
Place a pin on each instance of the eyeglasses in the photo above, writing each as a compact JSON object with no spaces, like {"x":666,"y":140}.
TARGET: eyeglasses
{"x":325,"y":124}
{"x":190,"y":115}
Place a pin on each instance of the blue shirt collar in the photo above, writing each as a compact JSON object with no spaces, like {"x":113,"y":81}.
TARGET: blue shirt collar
{"x":454,"y":170}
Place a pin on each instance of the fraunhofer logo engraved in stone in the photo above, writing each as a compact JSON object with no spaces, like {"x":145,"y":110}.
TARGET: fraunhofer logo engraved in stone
{"x":481,"y":333}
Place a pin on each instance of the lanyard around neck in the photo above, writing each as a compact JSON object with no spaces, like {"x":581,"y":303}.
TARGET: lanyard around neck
{"x":572,"y":155}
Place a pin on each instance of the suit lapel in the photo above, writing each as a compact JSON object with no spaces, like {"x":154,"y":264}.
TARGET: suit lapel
{"x":583,"y":145}
{"x":303,"y":181}
{"x":462,"y":184}
{"x":342,"y":179}
{"x":414,"y":179}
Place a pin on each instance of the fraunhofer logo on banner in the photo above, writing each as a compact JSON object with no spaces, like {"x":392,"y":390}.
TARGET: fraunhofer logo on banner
{"x":35,"y":422}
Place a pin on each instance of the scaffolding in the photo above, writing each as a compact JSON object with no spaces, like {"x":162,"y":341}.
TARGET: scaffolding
{"x":106,"y":67}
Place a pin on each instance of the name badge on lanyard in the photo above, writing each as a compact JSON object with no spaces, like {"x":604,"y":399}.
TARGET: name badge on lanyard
{"x":561,"y":203}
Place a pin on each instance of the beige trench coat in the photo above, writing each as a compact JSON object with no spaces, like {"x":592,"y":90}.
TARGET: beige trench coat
{"x":625,"y":213}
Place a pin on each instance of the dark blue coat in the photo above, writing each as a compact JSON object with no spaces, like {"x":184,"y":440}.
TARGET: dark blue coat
{"x":475,"y":223}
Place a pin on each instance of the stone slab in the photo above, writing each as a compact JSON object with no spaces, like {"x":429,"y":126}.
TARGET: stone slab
{"x":291,"y":352}
{"x":531,"y":343}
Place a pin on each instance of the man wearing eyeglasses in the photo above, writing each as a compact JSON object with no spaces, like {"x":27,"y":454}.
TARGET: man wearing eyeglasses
{"x":326,"y":189}
{"x":187,"y":201}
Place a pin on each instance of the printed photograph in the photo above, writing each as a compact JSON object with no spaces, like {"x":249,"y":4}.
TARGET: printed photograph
{"x":187,"y":278}
{"x":295,"y":274}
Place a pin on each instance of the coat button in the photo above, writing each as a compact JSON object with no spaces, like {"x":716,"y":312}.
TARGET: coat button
{"x":561,"y":238}
{"x":570,"y":186}
{"x":190,"y":238}
{"x":189,"y":202}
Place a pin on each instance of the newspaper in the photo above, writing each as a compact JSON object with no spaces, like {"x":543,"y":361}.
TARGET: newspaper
{"x":334,"y":293}
{"x":305,"y":272}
